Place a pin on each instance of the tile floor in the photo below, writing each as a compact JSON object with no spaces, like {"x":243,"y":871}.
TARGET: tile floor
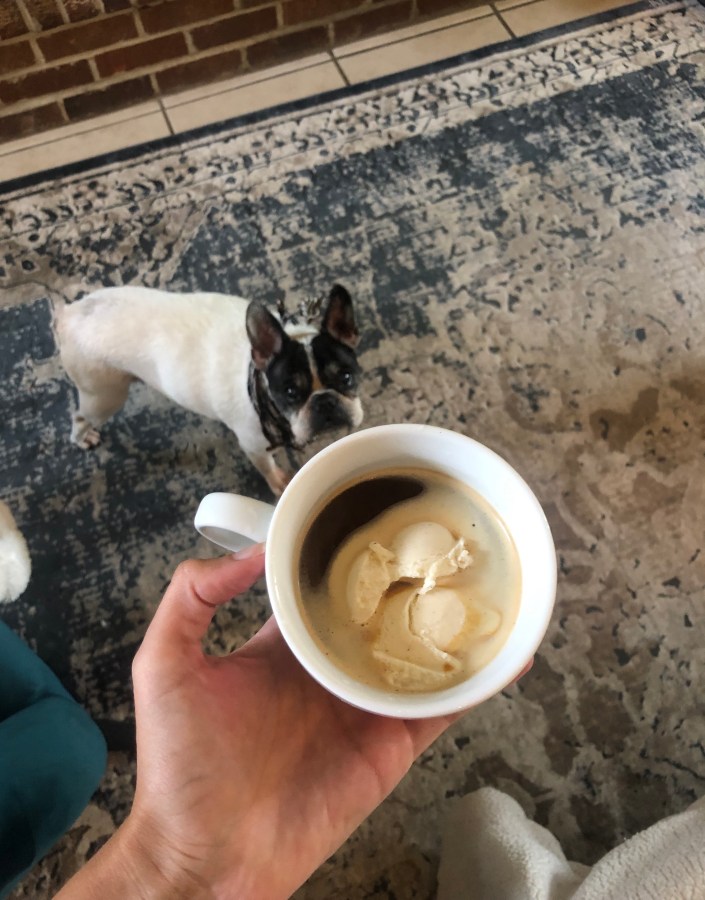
{"x":351,"y":64}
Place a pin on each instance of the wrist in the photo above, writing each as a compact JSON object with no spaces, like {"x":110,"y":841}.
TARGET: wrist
{"x":156,"y":873}
{"x":162,"y":873}
{"x":130,"y":866}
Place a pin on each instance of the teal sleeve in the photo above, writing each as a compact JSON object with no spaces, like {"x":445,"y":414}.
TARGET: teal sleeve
{"x":24,"y":678}
{"x":52,"y":757}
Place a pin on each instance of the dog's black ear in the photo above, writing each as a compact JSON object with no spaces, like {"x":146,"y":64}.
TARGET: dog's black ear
{"x":265,"y":333}
{"x":339,"y":319}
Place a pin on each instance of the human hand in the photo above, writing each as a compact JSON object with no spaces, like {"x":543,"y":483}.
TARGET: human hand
{"x":249,"y":774}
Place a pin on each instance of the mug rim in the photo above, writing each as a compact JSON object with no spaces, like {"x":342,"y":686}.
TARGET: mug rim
{"x":478,"y":686}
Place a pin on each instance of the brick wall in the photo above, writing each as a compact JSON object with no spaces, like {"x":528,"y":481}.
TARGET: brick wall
{"x":66,"y":60}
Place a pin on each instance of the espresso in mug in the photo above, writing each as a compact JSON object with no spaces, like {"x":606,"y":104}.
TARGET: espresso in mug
{"x":408,"y":579}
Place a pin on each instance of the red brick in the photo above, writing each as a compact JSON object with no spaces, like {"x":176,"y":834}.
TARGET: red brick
{"x":117,"y":96}
{"x":166,"y":16}
{"x":80,"y":10}
{"x":298,"y":11}
{"x":287,"y":46}
{"x":146,"y":53}
{"x":201,"y":71}
{"x":45,"y":13}
{"x":47,"y":81}
{"x":11,"y":22}
{"x":16,"y":56}
{"x":31,"y":121}
{"x":378,"y":19}
{"x":235,"y":28}
{"x":90,"y":36}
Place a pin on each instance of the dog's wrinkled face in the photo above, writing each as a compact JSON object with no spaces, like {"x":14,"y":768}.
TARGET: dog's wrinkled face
{"x":313,"y":381}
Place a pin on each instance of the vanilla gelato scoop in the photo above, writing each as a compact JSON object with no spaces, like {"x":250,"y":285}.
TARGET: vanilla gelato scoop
{"x":428,"y":550}
{"x":424,"y":550}
{"x":370,"y":577}
{"x":409,"y":661}
{"x":441,"y":617}
{"x":420,"y":618}
{"x":419,"y":596}
{"x":420,"y":632}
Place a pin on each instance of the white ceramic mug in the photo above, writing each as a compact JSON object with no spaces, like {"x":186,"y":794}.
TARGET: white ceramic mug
{"x":232,"y":521}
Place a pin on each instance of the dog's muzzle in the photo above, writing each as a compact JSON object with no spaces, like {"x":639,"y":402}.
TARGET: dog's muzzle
{"x":327,"y":412}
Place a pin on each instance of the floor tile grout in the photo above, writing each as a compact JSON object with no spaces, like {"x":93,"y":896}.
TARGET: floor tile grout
{"x":166,"y":117}
{"x":522,"y":4}
{"x":339,"y":68}
{"x":501,"y":18}
{"x":44,"y":139}
{"x":243,"y":87}
{"x":440,"y":30}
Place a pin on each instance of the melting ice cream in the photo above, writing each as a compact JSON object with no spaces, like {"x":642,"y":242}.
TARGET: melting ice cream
{"x":421,"y":595}
{"x":424,"y":617}
{"x":425,"y":551}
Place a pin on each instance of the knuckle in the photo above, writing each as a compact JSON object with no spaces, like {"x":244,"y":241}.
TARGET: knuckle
{"x":186,"y":571}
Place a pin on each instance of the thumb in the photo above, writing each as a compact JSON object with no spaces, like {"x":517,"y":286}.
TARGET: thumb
{"x":198,"y":588}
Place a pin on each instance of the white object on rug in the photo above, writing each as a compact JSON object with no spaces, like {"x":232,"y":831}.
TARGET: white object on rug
{"x":15,"y":564}
{"x":492,"y":851}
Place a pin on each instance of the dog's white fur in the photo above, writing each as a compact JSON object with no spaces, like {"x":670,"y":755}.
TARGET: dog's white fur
{"x":15,"y":562}
{"x":192,"y":347}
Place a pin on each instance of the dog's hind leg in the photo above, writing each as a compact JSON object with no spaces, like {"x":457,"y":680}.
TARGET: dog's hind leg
{"x":97,"y":401}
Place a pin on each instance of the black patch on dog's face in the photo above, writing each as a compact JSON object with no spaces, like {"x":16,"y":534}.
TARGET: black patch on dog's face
{"x":336,"y":365}
{"x":289,"y":377}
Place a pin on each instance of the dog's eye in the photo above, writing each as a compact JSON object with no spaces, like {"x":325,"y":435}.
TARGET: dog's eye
{"x":346,"y":378}
{"x":293,"y":392}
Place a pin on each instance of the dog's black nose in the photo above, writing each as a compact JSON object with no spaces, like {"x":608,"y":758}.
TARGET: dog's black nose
{"x":327,"y":411}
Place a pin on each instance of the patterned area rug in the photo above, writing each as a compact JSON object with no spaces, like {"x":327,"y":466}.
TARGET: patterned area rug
{"x":523,"y":231}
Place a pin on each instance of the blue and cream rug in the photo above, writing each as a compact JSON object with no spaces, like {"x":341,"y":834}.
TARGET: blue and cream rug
{"x":523,"y":230}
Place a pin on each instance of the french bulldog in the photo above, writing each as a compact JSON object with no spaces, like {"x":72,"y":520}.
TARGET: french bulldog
{"x":277,"y":381}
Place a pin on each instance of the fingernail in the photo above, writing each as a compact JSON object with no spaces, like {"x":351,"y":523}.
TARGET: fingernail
{"x":250,"y":552}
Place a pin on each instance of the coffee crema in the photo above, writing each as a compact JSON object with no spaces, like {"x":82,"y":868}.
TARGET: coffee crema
{"x":408,"y":580}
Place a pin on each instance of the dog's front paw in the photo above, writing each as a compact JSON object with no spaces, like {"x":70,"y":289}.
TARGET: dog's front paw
{"x":83,"y":434}
{"x":278,"y":480}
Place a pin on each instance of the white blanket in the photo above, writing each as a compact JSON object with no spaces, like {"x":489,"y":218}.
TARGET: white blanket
{"x":491,"y":851}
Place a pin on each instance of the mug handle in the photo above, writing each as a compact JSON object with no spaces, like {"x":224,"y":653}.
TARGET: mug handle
{"x":232,"y":521}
